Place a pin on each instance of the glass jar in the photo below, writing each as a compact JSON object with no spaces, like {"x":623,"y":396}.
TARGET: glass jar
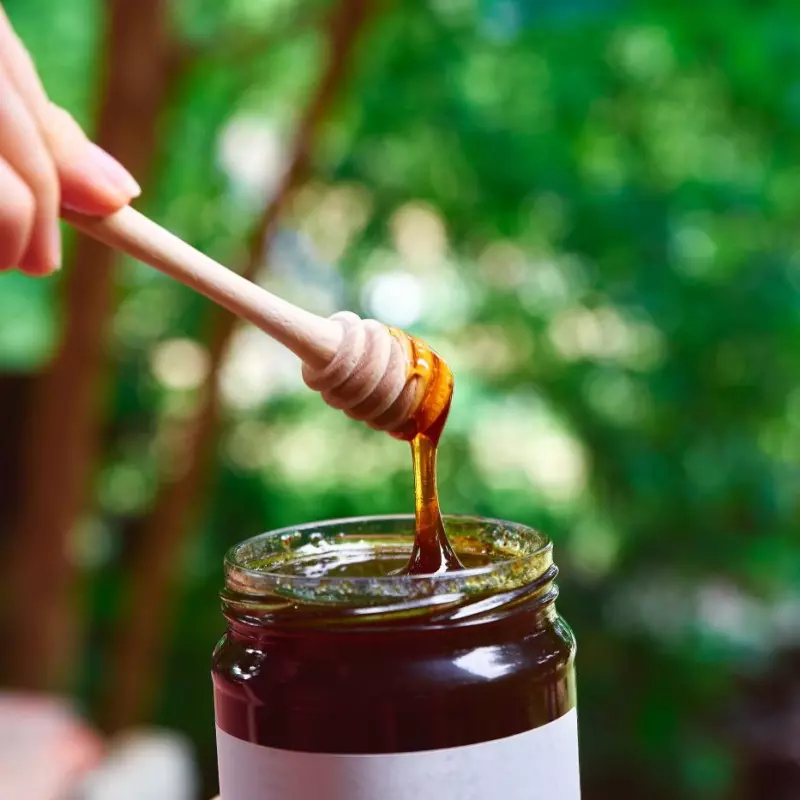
{"x":339,"y":679}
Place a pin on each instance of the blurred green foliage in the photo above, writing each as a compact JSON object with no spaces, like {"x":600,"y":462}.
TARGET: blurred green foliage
{"x":590,"y":207}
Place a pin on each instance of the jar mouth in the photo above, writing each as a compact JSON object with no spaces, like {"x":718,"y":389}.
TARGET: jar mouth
{"x":272,"y":565}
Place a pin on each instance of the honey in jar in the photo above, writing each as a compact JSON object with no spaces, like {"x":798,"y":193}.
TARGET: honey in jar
{"x":344,"y":677}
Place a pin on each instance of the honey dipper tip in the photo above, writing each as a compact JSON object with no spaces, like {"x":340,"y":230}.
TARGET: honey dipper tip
{"x":371,"y":376}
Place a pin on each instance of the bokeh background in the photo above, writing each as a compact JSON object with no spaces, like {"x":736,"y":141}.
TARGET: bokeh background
{"x":590,"y":207}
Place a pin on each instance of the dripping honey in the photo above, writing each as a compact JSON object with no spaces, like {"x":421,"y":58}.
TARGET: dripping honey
{"x":432,"y":552}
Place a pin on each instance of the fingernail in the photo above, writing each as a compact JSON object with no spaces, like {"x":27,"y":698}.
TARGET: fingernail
{"x":115,"y":172}
{"x":55,"y":246}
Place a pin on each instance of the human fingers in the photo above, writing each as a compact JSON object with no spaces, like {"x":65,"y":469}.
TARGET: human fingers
{"x":17,"y":209}
{"x":91,"y":180}
{"x":23,"y":149}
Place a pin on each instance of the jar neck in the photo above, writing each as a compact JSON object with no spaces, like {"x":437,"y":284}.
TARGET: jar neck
{"x":348,"y":575}
{"x":256,"y":617}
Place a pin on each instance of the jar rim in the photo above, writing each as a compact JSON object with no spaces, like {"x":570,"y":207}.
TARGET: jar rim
{"x":247,"y":564}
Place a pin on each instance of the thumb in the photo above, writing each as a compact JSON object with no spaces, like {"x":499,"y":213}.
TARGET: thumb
{"x":92,"y":181}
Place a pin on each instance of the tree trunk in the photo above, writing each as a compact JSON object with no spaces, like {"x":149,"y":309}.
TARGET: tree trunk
{"x":15,"y":391}
{"x":138,"y":652}
{"x":63,"y":436}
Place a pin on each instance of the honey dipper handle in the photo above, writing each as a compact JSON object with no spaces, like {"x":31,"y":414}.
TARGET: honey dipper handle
{"x":313,"y":339}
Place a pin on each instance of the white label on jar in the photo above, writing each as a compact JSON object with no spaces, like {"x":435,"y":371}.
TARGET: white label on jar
{"x":541,"y":764}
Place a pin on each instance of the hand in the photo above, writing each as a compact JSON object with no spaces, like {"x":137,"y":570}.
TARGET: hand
{"x":45,"y":161}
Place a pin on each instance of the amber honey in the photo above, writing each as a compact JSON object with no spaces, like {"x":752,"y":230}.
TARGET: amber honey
{"x":331,"y":650}
{"x":432,"y":552}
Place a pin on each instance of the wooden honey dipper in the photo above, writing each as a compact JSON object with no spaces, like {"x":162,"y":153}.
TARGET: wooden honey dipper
{"x":358,"y":365}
